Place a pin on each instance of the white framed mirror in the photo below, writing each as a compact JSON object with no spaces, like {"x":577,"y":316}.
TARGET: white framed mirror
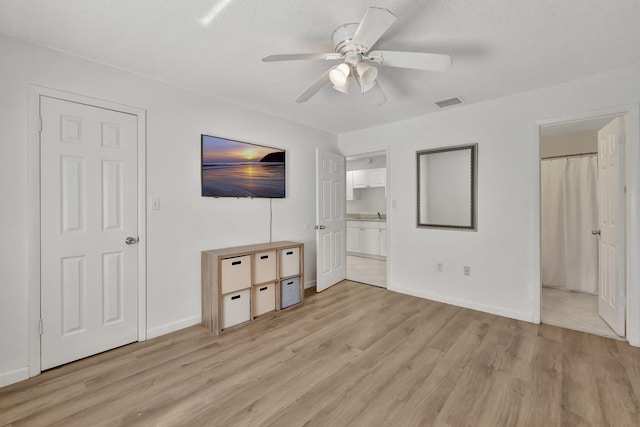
{"x":447,"y":187}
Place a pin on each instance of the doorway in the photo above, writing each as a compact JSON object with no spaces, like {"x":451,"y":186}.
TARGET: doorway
{"x":366,"y":206}
{"x":583,"y":226}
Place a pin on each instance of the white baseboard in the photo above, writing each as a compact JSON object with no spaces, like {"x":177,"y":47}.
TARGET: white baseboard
{"x":14,"y":376}
{"x":464,"y":303}
{"x":310,"y":284}
{"x":173,"y":326}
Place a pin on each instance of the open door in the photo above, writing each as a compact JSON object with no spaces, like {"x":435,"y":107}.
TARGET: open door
{"x":330,"y":219}
{"x":611,"y":245}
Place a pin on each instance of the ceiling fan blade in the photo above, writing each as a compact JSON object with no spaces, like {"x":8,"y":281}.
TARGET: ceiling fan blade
{"x":302,"y":56}
{"x":415,"y":60}
{"x":374,"y":24}
{"x":315,"y":87}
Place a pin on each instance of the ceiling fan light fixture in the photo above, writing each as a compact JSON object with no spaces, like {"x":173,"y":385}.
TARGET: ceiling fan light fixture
{"x":352,"y":45}
{"x":367,"y":75}
{"x":339,"y":75}
{"x":344,"y":88}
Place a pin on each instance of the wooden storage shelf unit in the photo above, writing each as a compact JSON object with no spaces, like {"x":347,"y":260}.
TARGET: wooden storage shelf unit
{"x":241,"y":283}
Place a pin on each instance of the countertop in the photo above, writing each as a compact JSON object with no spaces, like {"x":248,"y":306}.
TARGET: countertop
{"x":366,"y":217}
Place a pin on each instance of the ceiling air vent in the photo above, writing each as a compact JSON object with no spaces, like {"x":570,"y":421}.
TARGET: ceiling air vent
{"x":449,"y":102}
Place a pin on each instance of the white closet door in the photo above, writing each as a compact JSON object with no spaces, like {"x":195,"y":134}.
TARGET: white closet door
{"x":88,"y":210}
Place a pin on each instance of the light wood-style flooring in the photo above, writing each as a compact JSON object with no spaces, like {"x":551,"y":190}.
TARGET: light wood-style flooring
{"x":353,"y":355}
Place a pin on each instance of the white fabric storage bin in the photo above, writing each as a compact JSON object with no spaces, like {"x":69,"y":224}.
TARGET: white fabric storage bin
{"x":235,"y":273}
{"x":236,"y":308}
{"x":289,"y":262}
{"x":264,"y":298}
{"x":264,"y":265}
{"x":289,"y":292}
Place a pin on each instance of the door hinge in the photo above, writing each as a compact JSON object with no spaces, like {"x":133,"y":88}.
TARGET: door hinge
{"x":41,"y":327}
{"x":39,"y":124}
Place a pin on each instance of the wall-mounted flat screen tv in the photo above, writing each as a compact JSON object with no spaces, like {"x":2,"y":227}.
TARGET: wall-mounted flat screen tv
{"x":240,"y":169}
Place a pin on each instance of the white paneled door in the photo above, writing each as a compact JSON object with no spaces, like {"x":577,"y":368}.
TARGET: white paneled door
{"x":89,"y":259}
{"x":611,"y":202}
{"x":330,"y":219}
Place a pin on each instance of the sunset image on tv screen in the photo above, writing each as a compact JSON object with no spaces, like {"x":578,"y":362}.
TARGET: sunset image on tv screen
{"x":239,"y":169}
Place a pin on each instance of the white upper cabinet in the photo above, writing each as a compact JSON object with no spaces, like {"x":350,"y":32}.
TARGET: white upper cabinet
{"x":360,"y":179}
{"x":349,"y":185}
{"x":377,"y":177}
{"x":367,"y":178}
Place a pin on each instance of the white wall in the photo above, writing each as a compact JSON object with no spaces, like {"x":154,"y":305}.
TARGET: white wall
{"x":566,"y":144}
{"x":186,"y":223}
{"x":372,"y":162}
{"x":367,"y":201}
{"x":503,"y":253}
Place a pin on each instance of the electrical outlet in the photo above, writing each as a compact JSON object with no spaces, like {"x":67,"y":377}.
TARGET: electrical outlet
{"x":467,"y":270}
{"x":155,"y":203}
{"x":439,"y":267}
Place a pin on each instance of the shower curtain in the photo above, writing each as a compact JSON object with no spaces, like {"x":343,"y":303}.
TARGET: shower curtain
{"x":569,"y":211}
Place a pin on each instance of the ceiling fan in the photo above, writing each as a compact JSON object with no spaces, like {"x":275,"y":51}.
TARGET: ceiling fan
{"x":352,"y":44}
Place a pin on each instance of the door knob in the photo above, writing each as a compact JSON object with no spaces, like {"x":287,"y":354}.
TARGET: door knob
{"x":319,"y":227}
{"x":131,"y":240}
{"x":595,"y":232}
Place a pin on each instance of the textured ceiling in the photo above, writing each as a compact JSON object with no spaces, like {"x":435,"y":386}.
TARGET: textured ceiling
{"x":499,"y":47}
